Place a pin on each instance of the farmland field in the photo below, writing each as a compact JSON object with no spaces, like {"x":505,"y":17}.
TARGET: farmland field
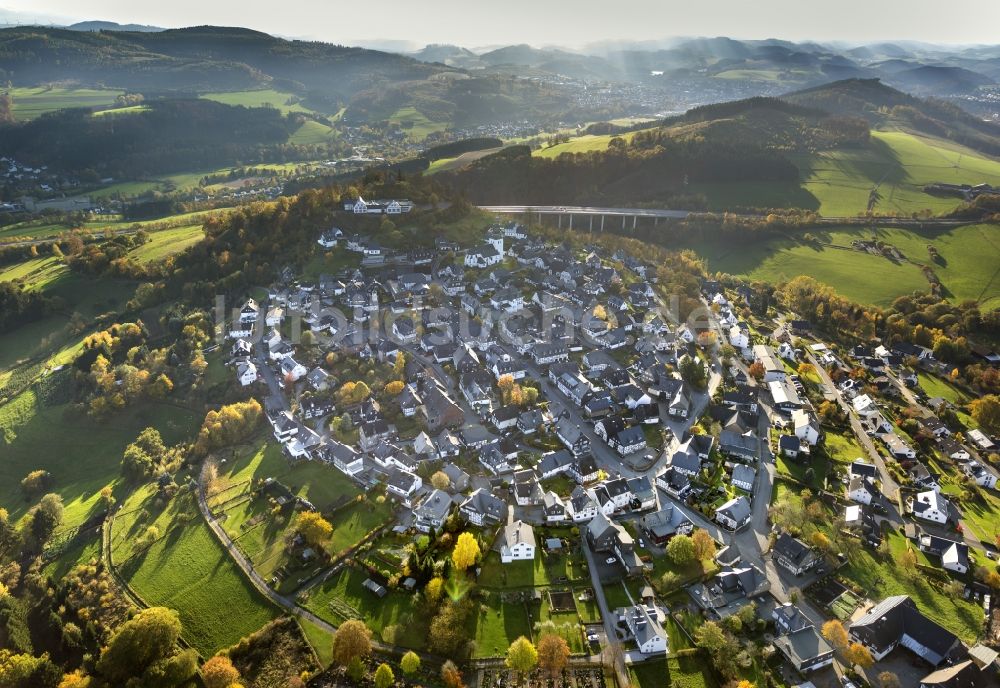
{"x":186,"y":569}
{"x":82,"y":457}
{"x":457,"y":163}
{"x":415,"y":123}
{"x":311,"y":133}
{"x":837,"y":183}
{"x":35,"y":101}
{"x":259,"y":98}
{"x":168,"y":242}
{"x":970,"y":257}
{"x":580,"y":144}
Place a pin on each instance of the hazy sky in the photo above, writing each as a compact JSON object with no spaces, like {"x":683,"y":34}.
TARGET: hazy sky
{"x":546,"y":22}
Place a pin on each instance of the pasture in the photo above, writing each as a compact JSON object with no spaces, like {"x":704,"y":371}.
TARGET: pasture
{"x":187,"y":569}
{"x":34,"y":101}
{"x":580,"y":144}
{"x":457,"y":163}
{"x":969,"y":256}
{"x":82,"y":455}
{"x":838,"y":183}
{"x":312,"y":133}
{"x":261,"y":533}
{"x":415,"y":123}
{"x":167,"y":242}
{"x":268,"y":97}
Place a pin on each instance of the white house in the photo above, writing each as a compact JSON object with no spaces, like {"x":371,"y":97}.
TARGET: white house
{"x":930,"y":506}
{"x":274,"y":316}
{"x":518,"y":542}
{"x":246,"y":373}
{"x":864,"y":405}
{"x":734,"y":514}
{"x":806,"y":427}
{"x":330,"y":237}
{"x":862,"y":490}
{"x":774,"y":369}
{"x":645,"y":625}
{"x":291,"y":369}
{"x":739,"y":337}
{"x":482,"y":256}
{"x":980,"y":474}
{"x":249,"y":312}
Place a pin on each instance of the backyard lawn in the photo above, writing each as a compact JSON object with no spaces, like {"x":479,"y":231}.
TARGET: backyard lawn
{"x":342,"y":597}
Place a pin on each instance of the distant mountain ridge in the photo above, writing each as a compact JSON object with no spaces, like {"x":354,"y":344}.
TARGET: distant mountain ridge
{"x":111,"y":26}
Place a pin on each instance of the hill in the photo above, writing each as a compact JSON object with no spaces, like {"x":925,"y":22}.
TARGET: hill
{"x":368,"y":84}
{"x":937,"y":79}
{"x":883,"y":105}
{"x":203,"y":58}
{"x":815,"y":149}
{"x":166,"y":136}
{"x":97,"y":25}
{"x":733,"y":143}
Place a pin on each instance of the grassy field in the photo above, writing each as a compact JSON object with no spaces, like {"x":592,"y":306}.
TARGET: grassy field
{"x":127,"y":110}
{"x":187,"y":570}
{"x":579,"y":144}
{"x":48,"y":341}
{"x":858,"y":276}
{"x":312,"y":133}
{"x":168,"y":242}
{"x":319,"y":639}
{"x":677,"y":672}
{"x":837,"y":183}
{"x":83,"y":456}
{"x":342,"y":597}
{"x":882,"y":578}
{"x":259,"y":98}
{"x":843,"y":448}
{"x":261,"y":534}
{"x":415,"y":123}
{"x":496,"y":627}
{"x":34,"y":101}
{"x":457,"y":163}
{"x":970,"y":257}
{"x":934,"y":386}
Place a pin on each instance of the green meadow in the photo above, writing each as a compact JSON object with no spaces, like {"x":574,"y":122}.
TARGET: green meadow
{"x":415,"y":123}
{"x":82,"y":455}
{"x":267,"y":97}
{"x":35,"y":101}
{"x":969,"y":259}
{"x":188,"y":570}
{"x":312,"y":133}
{"x":167,"y":242}
{"x":580,"y":144}
{"x":837,"y":183}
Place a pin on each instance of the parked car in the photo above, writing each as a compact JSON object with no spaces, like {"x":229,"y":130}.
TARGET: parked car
{"x":610,"y":560}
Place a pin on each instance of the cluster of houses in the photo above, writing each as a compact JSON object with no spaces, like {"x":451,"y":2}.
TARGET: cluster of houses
{"x":603,"y":361}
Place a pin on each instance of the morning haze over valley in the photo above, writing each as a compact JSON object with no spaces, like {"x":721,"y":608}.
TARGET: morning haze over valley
{"x":523,"y":345}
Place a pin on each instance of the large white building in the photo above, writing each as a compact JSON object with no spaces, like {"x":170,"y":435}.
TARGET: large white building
{"x":518,"y":542}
